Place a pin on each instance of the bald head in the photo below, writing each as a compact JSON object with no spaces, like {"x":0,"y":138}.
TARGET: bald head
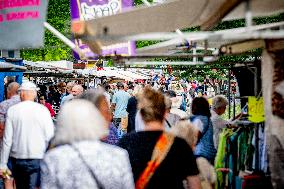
{"x":12,"y":89}
{"x":69,"y":87}
{"x":77,"y":90}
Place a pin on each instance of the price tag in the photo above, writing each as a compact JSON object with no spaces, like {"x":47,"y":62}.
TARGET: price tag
{"x":256,"y":109}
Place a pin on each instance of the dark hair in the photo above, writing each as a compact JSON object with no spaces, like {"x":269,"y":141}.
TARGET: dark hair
{"x":106,"y":86}
{"x":200,"y":106}
{"x":119,"y":85}
{"x":131,"y":86}
{"x":170,"y":93}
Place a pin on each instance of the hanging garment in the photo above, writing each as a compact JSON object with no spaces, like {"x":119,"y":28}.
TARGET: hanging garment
{"x":221,"y":158}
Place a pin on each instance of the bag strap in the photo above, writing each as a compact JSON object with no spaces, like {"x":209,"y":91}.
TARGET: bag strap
{"x":168,"y":123}
{"x":160,"y":151}
{"x":100,"y":186}
{"x":204,"y":131}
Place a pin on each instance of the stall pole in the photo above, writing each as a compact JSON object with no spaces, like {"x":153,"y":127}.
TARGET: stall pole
{"x":256,"y":125}
{"x":229,"y":90}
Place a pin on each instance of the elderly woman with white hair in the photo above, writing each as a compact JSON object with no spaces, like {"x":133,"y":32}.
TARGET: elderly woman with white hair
{"x":218,"y":108}
{"x":79,"y":159}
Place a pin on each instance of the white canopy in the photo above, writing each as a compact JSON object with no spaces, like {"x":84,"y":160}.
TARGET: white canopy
{"x":129,"y":75}
{"x":167,"y":17}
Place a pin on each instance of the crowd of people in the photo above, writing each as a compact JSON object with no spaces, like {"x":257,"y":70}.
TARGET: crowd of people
{"x":114,"y":136}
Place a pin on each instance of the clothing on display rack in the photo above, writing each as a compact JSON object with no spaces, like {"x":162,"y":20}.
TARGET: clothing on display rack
{"x":262,"y":148}
{"x":235,"y":154}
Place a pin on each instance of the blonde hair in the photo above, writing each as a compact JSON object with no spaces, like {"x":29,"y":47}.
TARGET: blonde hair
{"x":79,"y":120}
{"x":137,"y":90}
{"x":168,"y":102}
{"x":185,"y":130}
{"x":152,"y":105}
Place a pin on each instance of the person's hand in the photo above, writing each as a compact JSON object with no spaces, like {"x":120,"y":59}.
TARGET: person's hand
{"x":231,"y":126}
{"x":5,"y":173}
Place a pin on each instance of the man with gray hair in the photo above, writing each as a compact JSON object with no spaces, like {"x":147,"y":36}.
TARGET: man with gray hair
{"x":75,"y":91}
{"x":12,"y":99}
{"x":28,"y":129}
{"x":67,"y":96}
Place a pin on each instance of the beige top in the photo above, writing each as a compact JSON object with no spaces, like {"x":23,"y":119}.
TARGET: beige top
{"x":207,"y":173}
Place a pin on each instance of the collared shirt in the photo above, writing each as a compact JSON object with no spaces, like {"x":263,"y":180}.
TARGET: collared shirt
{"x":180,"y":113}
{"x":6,"y":104}
{"x":218,"y":125}
{"x":120,"y":99}
{"x":66,"y":99}
{"x":28,"y":129}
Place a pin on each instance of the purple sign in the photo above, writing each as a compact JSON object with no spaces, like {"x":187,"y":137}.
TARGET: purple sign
{"x":92,"y":9}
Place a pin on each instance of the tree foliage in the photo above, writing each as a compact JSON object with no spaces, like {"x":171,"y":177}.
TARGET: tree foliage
{"x":54,"y":49}
{"x":59,"y":17}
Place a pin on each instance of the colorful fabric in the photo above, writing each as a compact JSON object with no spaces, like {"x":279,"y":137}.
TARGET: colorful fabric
{"x":218,"y":125}
{"x":50,"y":109}
{"x":113,"y":135}
{"x":234,"y":154}
{"x":160,"y":151}
{"x":221,"y":158}
{"x":6,"y":104}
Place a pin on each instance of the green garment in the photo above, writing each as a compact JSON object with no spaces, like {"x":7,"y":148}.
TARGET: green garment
{"x":220,"y":160}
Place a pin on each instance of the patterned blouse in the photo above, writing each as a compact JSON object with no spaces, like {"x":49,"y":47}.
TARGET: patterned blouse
{"x":6,"y":104}
{"x":62,"y":167}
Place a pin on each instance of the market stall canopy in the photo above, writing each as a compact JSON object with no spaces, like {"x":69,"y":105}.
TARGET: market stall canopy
{"x":5,"y":66}
{"x":59,"y":65}
{"x":21,"y":24}
{"x":215,"y":42}
{"x":128,"y":75}
{"x":177,"y":14}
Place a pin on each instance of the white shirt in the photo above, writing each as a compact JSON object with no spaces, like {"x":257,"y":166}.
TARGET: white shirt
{"x":218,"y":125}
{"x":139,"y":123}
{"x":198,"y":124}
{"x":180,"y":113}
{"x":62,"y":168}
{"x":28,"y":129}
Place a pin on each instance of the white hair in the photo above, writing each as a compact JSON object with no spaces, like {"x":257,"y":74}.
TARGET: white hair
{"x":137,"y":90}
{"x":219,"y":101}
{"x":79,"y":120}
{"x":176,"y":102}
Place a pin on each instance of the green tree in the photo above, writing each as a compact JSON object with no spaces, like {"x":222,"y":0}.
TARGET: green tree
{"x":54,"y":49}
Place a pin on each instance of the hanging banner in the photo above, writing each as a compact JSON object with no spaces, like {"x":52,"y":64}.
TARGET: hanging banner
{"x":256,"y":109}
{"x":92,"y":9}
{"x":21,"y":23}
